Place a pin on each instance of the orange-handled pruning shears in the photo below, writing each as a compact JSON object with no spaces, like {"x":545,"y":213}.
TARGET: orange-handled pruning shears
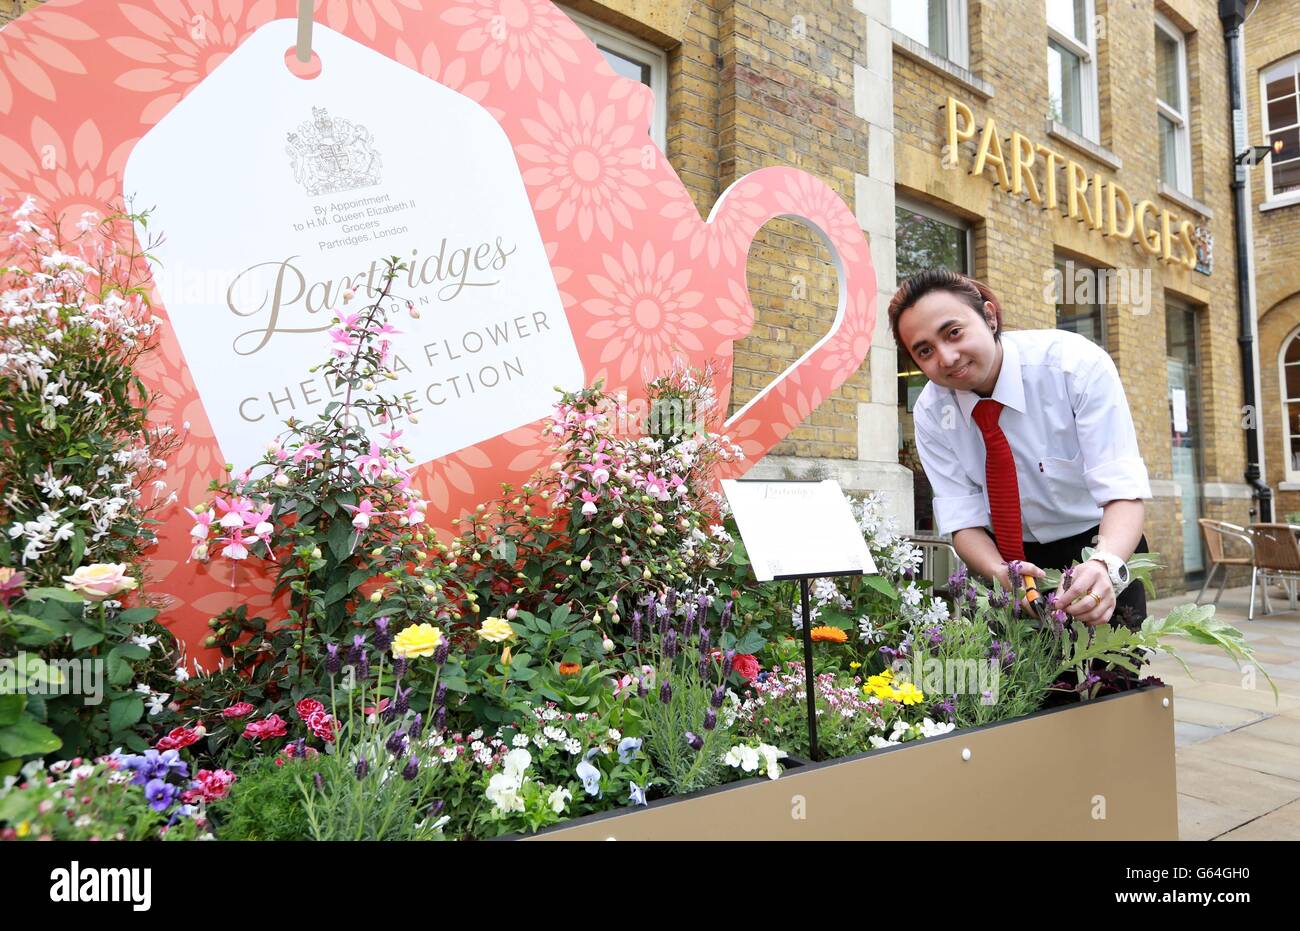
{"x":1035,"y":598}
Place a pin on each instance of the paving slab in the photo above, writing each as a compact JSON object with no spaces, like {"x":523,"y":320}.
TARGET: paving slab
{"x":1283,"y":728}
{"x":1255,"y":753}
{"x":1211,"y":714}
{"x":1202,"y":820}
{"x":1283,"y":824}
{"x":1217,"y":782}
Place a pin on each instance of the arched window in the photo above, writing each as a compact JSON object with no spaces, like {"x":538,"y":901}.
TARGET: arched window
{"x":1289,"y":371}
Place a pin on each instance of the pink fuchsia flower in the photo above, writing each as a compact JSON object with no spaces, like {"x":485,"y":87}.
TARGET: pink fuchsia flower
{"x":235,"y":547}
{"x":362,"y":513}
{"x":235,"y":512}
{"x":202,"y":523}
{"x":11,"y":585}
{"x":415,"y":513}
{"x":240,"y":709}
{"x":305,"y":452}
{"x":270,"y":726}
{"x":589,"y":503}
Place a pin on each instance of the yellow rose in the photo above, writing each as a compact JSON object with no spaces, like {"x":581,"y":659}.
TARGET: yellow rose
{"x":100,"y":580}
{"x":496,"y":630}
{"x":417,"y":640}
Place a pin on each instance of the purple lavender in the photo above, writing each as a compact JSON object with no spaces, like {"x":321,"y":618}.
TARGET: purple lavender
{"x":440,"y":694}
{"x":666,"y":692}
{"x":320,"y":782}
{"x":718,"y":697}
{"x":417,"y":726}
{"x":441,"y":652}
{"x":694,"y":740}
{"x":383,"y":639}
{"x":399,"y":667}
{"x":362,"y":768}
{"x":440,"y":718}
{"x":357,"y":650}
{"x":705,"y":639}
{"x":725,"y":619}
{"x":710,"y":719}
{"x":636,"y":626}
{"x":412,"y":768}
{"x":396,"y":743}
{"x":670,"y":644}
{"x":332,"y":661}
{"x":402,"y":701}
{"x":728,"y":658}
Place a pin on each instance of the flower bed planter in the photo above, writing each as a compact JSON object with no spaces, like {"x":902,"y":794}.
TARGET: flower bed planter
{"x":1097,"y":771}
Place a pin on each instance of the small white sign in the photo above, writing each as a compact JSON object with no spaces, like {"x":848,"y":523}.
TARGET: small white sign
{"x":1178,"y":400}
{"x":798,"y":528}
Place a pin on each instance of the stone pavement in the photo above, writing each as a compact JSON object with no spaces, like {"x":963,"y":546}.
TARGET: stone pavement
{"x":1238,"y":750}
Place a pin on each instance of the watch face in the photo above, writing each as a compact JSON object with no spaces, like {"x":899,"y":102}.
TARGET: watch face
{"x":1122,"y":572}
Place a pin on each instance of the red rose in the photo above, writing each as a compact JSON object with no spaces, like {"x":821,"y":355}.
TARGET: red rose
{"x":322,"y":725}
{"x":307,"y":707}
{"x":745,"y":665}
{"x":179,"y":737}
{"x":238,"y":710}
{"x":270,"y":726}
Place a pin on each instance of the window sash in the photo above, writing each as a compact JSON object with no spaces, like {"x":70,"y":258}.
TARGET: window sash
{"x":954,"y":20}
{"x":1285,"y":69}
{"x":1178,"y":116}
{"x":1291,"y":445}
{"x":1086,"y":53}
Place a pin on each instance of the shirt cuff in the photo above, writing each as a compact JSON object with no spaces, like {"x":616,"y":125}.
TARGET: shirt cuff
{"x":953,"y":514}
{"x":1118,"y":480}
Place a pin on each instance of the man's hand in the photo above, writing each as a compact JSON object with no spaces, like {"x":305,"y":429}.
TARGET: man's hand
{"x":1002,"y":576}
{"x":1090,"y":597}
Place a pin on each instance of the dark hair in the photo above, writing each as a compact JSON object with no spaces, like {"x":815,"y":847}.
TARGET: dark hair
{"x":973,"y":293}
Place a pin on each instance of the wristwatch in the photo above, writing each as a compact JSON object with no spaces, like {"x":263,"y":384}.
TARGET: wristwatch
{"x":1116,"y":568}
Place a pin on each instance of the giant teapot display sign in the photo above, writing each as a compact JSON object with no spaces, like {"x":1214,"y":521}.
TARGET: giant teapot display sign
{"x":486,"y":144}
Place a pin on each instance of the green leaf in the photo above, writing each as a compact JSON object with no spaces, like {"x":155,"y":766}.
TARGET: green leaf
{"x":28,"y":737}
{"x":119,"y":670}
{"x":78,"y":546}
{"x":522,"y":674}
{"x":124,"y":712}
{"x":85,"y":638}
{"x":880,"y":584}
{"x":11,"y":709}
{"x":751,"y":642}
{"x":335,"y":593}
{"x":340,"y":539}
{"x":131,"y":651}
{"x":137,"y":615}
{"x":55,"y":594}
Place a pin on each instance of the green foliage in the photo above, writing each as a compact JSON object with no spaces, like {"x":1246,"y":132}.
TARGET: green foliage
{"x":265,"y":803}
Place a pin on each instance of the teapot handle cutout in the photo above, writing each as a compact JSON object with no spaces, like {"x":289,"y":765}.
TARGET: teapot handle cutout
{"x":788,"y":193}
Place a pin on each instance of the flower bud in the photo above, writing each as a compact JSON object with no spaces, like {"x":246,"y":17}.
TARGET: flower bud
{"x":315,"y":553}
{"x":585,"y":565}
{"x":618,"y":522}
{"x":607,"y":645}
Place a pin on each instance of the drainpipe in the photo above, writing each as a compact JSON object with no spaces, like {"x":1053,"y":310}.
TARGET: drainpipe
{"x":1233,"y":13}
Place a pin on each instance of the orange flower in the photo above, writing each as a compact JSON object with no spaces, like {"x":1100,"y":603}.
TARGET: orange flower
{"x":570,"y":669}
{"x":829,"y":635}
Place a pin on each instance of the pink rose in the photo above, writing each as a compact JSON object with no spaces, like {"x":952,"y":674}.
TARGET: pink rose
{"x":270,"y":726}
{"x":100,"y":580}
{"x":307,"y":707}
{"x":238,"y":710}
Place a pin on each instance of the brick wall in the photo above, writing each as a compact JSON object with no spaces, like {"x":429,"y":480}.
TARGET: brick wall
{"x":1272,"y":34}
{"x":1015,"y":240}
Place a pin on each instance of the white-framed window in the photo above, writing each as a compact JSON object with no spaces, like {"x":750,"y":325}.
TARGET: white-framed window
{"x":1172,"y":107}
{"x":635,"y":59}
{"x":1072,"y":66}
{"x":1288,"y":365}
{"x":1280,"y":93}
{"x":939,"y":25}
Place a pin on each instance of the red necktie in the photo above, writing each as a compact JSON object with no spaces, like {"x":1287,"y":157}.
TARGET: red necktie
{"x":1000,"y":478}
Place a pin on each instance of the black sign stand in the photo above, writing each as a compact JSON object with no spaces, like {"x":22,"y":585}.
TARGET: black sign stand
{"x":814,"y":752}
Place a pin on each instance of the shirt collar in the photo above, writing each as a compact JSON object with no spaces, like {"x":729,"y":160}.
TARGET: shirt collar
{"x":1009,"y":390}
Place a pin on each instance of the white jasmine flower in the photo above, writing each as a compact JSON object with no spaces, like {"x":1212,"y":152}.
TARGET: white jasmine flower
{"x":141,"y":640}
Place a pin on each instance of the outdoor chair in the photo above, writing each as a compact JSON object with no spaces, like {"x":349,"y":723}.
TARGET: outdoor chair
{"x":1277,"y":558}
{"x":939,"y":560}
{"x":1214,"y":533}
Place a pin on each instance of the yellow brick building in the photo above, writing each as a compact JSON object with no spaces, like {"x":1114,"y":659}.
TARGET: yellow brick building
{"x":1272,"y":59}
{"x":1050,"y":148}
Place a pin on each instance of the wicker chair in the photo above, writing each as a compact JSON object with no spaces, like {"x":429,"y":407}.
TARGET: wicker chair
{"x":1277,"y":557}
{"x":1214,"y":532}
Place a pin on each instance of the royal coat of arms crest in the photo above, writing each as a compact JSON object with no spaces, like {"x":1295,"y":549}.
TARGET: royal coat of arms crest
{"x":329,"y":155}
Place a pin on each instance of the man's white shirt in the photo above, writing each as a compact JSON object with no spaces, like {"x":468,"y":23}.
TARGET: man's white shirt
{"x":1068,"y":423}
